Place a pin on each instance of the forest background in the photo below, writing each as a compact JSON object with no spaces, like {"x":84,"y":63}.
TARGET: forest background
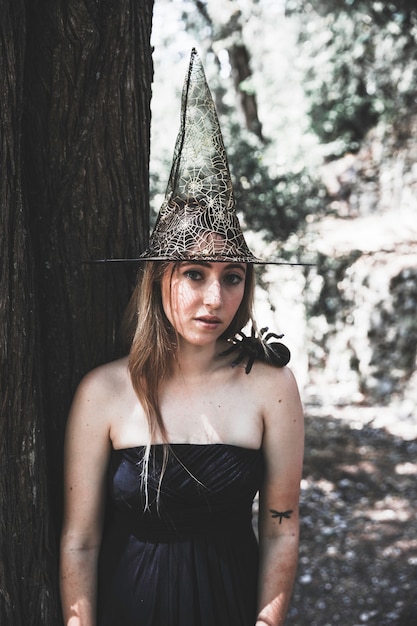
{"x":317,"y":103}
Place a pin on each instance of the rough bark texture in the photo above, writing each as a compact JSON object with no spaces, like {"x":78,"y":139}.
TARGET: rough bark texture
{"x":25,"y":567}
{"x":89,"y":76}
{"x":74,"y":151}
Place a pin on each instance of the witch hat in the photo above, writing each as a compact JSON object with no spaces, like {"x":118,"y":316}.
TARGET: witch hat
{"x":198,"y":220}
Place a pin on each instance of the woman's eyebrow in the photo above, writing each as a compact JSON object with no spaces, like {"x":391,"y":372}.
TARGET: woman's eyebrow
{"x":208,"y":264}
{"x":237,"y":266}
{"x":202,"y":263}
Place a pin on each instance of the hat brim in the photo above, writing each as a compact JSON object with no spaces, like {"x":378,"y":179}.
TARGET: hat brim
{"x":253,"y":261}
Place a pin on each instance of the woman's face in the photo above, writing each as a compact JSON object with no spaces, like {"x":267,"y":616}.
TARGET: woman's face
{"x":200,"y":299}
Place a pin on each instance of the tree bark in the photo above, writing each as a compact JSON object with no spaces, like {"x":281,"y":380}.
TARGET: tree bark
{"x":88,"y":126}
{"x":75,"y":127}
{"x":26,"y":587}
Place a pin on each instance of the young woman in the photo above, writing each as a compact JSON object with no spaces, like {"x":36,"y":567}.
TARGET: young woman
{"x":167,"y":448}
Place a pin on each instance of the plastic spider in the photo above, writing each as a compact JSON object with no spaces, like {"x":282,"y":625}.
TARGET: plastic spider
{"x":256,"y":348}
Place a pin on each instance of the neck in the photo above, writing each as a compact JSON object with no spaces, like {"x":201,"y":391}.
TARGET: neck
{"x":197,"y":361}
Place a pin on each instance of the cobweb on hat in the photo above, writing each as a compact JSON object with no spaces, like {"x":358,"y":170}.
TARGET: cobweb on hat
{"x":198,"y":217}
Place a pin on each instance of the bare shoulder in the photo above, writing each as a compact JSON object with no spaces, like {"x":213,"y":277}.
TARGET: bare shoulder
{"x":88,"y":446}
{"x":98,"y":392}
{"x":274,"y":382}
{"x":283,"y":433}
{"x":104,"y":381}
{"x":279,"y":396}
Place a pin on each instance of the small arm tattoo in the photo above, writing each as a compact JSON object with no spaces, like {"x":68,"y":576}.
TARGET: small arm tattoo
{"x":281,"y":514}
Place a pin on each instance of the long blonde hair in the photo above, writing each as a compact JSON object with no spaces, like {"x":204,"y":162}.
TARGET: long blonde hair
{"x":154,"y":341}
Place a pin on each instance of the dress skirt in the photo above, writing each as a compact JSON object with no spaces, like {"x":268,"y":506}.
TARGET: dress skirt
{"x":182,"y":551}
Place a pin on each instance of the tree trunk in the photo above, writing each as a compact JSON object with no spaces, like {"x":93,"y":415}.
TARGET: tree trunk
{"x":89,"y":77}
{"x":240,"y":62}
{"x":226,"y":27}
{"x":77,"y":74}
{"x":26,"y":591}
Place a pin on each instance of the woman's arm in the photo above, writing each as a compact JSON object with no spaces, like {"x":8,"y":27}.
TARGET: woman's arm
{"x":87,"y":447}
{"x":283,"y":446}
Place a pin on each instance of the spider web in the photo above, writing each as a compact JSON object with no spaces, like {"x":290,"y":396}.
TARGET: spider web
{"x":198,"y":218}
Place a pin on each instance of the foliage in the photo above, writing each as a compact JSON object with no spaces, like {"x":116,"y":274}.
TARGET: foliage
{"x":331,"y":301}
{"x":332,"y":69}
{"x":274,"y":202}
{"x":393,"y":331}
{"x":274,"y":188}
{"x":360,"y":65}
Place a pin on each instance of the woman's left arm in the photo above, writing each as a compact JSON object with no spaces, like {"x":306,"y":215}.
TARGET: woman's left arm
{"x":283,"y":446}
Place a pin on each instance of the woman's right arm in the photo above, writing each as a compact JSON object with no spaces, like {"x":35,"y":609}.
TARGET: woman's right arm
{"x":87,"y":449}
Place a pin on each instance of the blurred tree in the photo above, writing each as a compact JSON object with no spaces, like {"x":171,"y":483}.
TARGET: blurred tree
{"x":276,"y":203}
{"x":241,"y":71}
{"x":363,"y":65}
{"x":222,"y":21}
{"x":76,"y":77}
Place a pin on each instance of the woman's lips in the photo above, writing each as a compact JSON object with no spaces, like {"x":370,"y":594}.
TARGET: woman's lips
{"x":208,"y":320}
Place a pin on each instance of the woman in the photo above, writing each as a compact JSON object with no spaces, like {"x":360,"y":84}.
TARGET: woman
{"x":166,"y":448}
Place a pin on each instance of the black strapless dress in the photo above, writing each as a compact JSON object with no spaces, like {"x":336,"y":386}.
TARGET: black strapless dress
{"x":190,"y":559}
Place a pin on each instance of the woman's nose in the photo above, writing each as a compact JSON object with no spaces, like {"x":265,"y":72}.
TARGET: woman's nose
{"x":213,"y":295}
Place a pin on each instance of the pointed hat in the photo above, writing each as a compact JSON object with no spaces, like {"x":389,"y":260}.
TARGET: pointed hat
{"x":197,"y":219}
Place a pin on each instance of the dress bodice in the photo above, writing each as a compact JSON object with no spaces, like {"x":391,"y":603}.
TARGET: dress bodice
{"x":202,"y":488}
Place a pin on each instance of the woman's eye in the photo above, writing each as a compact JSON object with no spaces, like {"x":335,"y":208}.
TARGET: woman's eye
{"x":193,"y":274}
{"x":233,"y":279}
